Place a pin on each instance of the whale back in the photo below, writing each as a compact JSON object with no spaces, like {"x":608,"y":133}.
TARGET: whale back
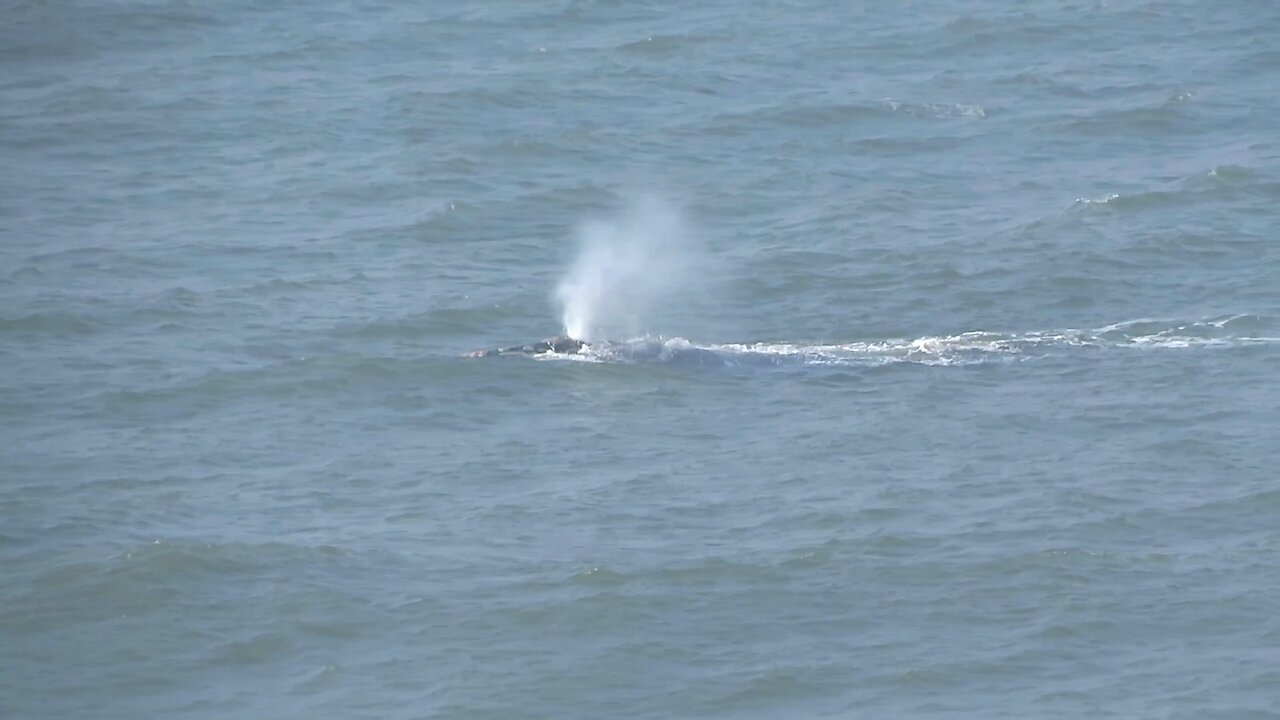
{"x":557,"y":344}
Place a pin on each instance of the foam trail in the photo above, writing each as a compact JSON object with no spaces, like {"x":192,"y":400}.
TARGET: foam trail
{"x":976,"y":347}
{"x":624,"y":267}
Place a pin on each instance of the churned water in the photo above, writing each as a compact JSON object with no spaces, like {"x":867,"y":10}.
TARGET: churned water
{"x":932,"y":370}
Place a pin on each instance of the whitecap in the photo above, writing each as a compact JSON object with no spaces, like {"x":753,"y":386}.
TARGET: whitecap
{"x":1098,"y":200}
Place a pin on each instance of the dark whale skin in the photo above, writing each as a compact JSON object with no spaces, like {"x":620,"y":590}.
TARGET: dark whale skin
{"x":559,"y":344}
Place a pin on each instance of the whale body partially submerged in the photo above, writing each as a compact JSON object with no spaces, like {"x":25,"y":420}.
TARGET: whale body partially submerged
{"x":561,"y":344}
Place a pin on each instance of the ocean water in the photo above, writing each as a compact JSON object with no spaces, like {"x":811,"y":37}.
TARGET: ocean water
{"x":932,"y":369}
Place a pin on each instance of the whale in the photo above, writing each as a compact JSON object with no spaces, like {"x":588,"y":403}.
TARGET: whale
{"x":561,"y":344}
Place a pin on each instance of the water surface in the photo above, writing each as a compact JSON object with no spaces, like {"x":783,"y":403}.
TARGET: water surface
{"x":934,"y":370}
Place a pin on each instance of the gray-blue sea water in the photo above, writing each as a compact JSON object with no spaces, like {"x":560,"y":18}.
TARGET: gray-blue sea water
{"x":934,"y":362}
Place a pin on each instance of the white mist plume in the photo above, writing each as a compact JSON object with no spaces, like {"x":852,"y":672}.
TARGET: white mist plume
{"x":626,"y":267}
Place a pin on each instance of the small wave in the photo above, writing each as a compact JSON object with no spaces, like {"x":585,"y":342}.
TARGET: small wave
{"x":1135,"y":201}
{"x":1219,"y":182}
{"x":1232,"y":173}
{"x":1099,"y":200}
{"x":663,"y":44}
{"x":53,"y":323}
{"x":825,"y":114}
{"x":1226,"y":331}
{"x":1166,"y":115}
{"x":967,"y":348}
{"x":832,"y":114}
{"x":938,"y":111}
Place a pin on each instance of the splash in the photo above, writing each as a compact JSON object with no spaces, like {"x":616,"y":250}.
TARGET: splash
{"x":625,"y":269}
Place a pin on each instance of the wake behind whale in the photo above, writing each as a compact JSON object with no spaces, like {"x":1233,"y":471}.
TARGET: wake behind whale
{"x":628,"y":266}
{"x":968,"y":348}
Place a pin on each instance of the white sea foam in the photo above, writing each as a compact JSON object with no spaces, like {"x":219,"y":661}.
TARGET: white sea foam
{"x":961,"y":349}
{"x":1098,"y":200}
{"x":936,"y":110}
